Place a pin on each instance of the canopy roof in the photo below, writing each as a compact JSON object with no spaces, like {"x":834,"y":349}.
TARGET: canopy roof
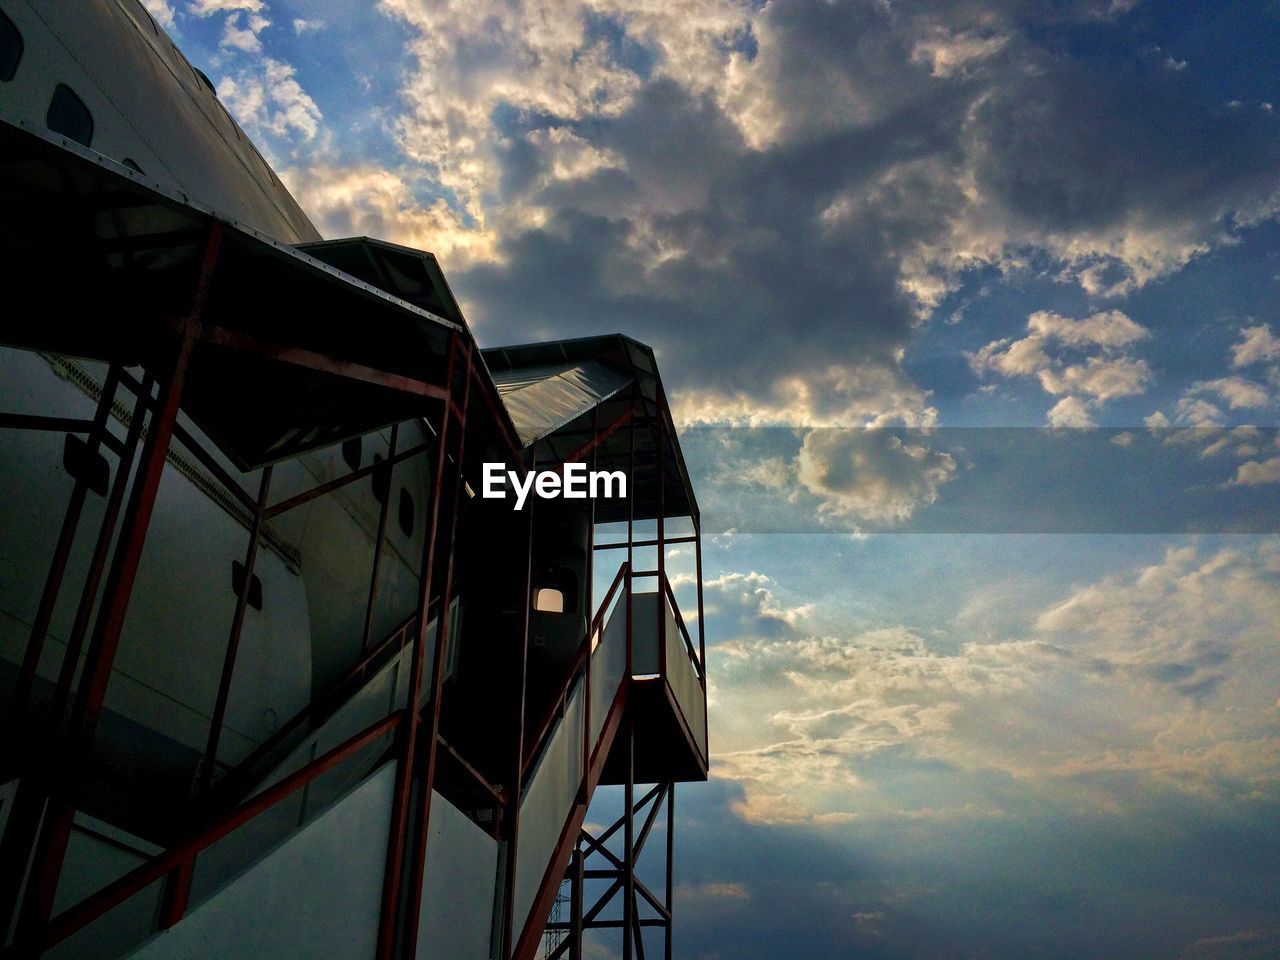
{"x":560,"y":392}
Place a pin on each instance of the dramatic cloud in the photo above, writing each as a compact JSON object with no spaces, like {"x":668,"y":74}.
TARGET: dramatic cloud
{"x":776,"y":198}
{"x":267,"y":98}
{"x":1256,"y":345}
{"x":870,"y":474}
{"x":1237,"y":392}
{"x":1163,"y":674}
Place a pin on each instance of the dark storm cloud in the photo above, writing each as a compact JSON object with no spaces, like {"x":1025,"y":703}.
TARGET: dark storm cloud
{"x":906,"y":144}
{"x":1041,"y":882}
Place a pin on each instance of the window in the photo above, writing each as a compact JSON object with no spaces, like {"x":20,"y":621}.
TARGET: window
{"x":91,"y":470}
{"x":10,"y":48}
{"x":237,"y":584}
{"x":381,"y":479}
{"x":351,"y":452}
{"x":406,"y":512}
{"x":555,"y":590}
{"x":69,"y":116}
{"x":548,"y":600}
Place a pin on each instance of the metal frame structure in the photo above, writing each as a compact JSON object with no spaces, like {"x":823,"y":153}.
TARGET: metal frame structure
{"x":53,"y":775}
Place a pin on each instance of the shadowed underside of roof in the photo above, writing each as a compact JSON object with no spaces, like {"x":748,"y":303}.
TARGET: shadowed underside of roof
{"x":559,"y":393}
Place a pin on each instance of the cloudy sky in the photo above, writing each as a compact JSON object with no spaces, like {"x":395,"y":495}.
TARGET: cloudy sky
{"x":1012,"y":692}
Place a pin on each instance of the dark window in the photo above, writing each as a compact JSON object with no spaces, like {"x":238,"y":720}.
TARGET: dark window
{"x":69,"y":116}
{"x":10,"y":48}
{"x":406,"y":512}
{"x":381,"y":480}
{"x":351,"y":451}
{"x":93,"y":470}
{"x":237,"y":584}
{"x":132,"y":164}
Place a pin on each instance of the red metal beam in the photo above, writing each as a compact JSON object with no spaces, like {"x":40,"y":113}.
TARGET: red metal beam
{"x":62,"y":552}
{"x":51,"y":846}
{"x":600,"y":436}
{"x":311,"y":360}
{"x":284,"y":506}
{"x":233,"y":640}
{"x":388,"y":920}
{"x":432,"y":734}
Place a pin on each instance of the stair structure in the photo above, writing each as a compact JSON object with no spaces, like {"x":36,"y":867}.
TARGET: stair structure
{"x":276,"y":680}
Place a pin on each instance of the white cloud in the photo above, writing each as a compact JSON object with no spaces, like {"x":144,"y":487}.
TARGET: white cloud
{"x":1257,"y":345}
{"x":871,"y":475}
{"x":1070,"y":412}
{"x":1239,"y":393}
{"x":376,"y":202}
{"x":240,"y":32}
{"x":948,"y":53}
{"x":301,"y":25}
{"x":161,"y":11}
{"x":1253,"y":473}
{"x":838,"y":395}
{"x":267,"y":97}
{"x":1110,"y":329}
{"x":1164,"y":673}
{"x":207,"y":8}
{"x":1051,"y":339}
{"x":1098,"y":378}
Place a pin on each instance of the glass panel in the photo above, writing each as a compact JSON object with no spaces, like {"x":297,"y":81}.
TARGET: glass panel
{"x":456,"y":918}
{"x":292,"y":903}
{"x":548,"y":799}
{"x":682,"y":675}
{"x":548,"y":600}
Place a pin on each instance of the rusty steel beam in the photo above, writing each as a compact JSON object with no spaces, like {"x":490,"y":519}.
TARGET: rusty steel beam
{"x":322,"y":363}
{"x":233,"y":640}
{"x":388,"y":919}
{"x":61,"y":553}
{"x":51,"y":845}
{"x":431,"y":736}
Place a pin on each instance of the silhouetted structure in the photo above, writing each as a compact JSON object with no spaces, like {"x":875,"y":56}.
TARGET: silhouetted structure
{"x":275,"y":681}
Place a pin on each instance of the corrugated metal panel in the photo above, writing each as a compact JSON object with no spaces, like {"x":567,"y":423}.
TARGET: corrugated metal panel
{"x":541,"y":400}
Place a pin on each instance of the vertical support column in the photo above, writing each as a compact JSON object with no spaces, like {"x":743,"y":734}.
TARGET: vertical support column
{"x":659,"y":431}
{"x":514,"y":791}
{"x":589,"y":606}
{"x":388,"y":920}
{"x":702,"y":632}
{"x":89,"y":592}
{"x":233,"y":641}
{"x":578,"y":891}
{"x":671,"y":843}
{"x":431,"y":737}
{"x":631,"y":518}
{"x":629,"y":840}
